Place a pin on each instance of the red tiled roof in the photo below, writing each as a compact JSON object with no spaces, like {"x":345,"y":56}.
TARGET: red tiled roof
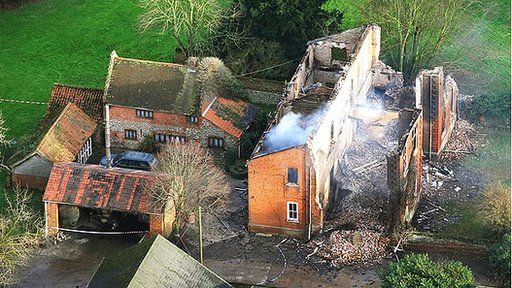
{"x":67,"y":135}
{"x":88,"y":99}
{"x":94,"y":186}
{"x":232,"y":116}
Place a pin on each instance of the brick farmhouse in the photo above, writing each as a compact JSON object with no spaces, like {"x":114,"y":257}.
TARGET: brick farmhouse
{"x":163,"y":101}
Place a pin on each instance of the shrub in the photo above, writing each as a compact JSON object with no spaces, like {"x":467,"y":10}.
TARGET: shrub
{"x":417,"y":270}
{"x":499,"y":257}
{"x":495,"y":207}
{"x":238,"y":170}
{"x":149,"y":145}
{"x":494,"y":106}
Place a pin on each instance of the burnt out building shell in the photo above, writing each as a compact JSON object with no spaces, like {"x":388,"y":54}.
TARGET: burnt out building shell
{"x":314,"y":119}
{"x":329,"y":103}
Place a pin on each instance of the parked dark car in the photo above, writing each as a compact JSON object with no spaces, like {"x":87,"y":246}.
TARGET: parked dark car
{"x":131,"y":160}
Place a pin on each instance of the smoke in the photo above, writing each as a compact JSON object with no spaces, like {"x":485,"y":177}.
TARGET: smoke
{"x":292,"y":130}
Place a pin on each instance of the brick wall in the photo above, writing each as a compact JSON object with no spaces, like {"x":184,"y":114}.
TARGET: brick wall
{"x":269,"y":193}
{"x":123,"y":118}
{"x":405,"y":170}
{"x":51,"y":218}
{"x":437,"y":96}
{"x":156,"y":224}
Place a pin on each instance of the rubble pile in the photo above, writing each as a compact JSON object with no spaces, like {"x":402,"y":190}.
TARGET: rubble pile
{"x":462,"y":141}
{"x":400,"y":97}
{"x":360,"y":247}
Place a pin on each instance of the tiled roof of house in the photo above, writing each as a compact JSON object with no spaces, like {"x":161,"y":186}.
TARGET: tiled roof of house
{"x":95,"y":186}
{"x":151,"y":85}
{"x":88,"y":99}
{"x":155,"y":262}
{"x":230,"y":115}
{"x":67,"y":135}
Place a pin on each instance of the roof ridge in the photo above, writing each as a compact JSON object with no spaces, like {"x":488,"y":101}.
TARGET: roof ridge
{"x":74,"y":86}
{"x":150,"y":62}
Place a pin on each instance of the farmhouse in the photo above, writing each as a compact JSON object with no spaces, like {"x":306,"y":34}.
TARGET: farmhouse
{"x":165,"y":102}
{"x":68,"y":139}
{"x":333,"y":125}
{"x":100,"y":198}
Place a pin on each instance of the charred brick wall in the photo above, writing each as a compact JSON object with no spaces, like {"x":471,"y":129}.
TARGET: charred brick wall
{"x":404,"y":168}
{"x":437,"y":96}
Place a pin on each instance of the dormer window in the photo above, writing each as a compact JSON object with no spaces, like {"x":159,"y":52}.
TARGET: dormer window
{"x":142,"y":113}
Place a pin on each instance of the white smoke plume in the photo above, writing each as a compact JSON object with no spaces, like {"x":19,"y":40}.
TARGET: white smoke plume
{"x":292,"y":130}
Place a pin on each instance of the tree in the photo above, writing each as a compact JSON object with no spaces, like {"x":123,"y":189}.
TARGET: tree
{"x":413,"y":31}
{"x":192,"y":23}
{"x":290,"y":23}
{"x":21,"y":230}
{"x":188,"y":177}
{"x":495,"y":207}
{"x":417,"y":270}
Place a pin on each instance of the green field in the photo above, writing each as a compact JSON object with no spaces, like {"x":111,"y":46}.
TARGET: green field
{"x":66,"y":41}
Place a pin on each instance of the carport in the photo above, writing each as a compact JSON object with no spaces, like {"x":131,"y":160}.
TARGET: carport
{"x":95,"y":199}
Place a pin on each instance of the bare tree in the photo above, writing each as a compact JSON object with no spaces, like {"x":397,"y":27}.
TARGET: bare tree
{"x":192,"y":23}
{"x":21,"y":230}
{"x":188,"y":177}
{"x":413,"y":31}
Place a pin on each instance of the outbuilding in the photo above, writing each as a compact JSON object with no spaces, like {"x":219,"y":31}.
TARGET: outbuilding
{"x":114,"y":200}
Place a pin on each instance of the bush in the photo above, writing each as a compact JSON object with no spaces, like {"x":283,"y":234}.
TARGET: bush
{"x":417,"y":270}
{"x":149,"y":145}
{"x":499,"y":257}
{"x":238,"y":170}
{"x":495,"y":207}
{"x":495,"y":106}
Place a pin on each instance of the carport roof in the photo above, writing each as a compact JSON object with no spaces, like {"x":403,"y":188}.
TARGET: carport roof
{"x":94,"y":186}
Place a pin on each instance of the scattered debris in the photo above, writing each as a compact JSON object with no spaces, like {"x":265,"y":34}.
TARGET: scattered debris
{"x":361,"y":247}
{"x":462,"y":141}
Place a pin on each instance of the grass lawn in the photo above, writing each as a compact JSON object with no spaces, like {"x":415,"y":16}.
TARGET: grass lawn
{"x":66,"y":41}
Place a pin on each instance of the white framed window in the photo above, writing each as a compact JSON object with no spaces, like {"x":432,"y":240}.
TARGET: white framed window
{"x":85,"y":151}
{"x":192,"y":119}
{"x":215,"y":142}
{"x":168,"y":138}
{"x":141,"y":113}
{"x":292,"y":211}
{"x":130,"y":134}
